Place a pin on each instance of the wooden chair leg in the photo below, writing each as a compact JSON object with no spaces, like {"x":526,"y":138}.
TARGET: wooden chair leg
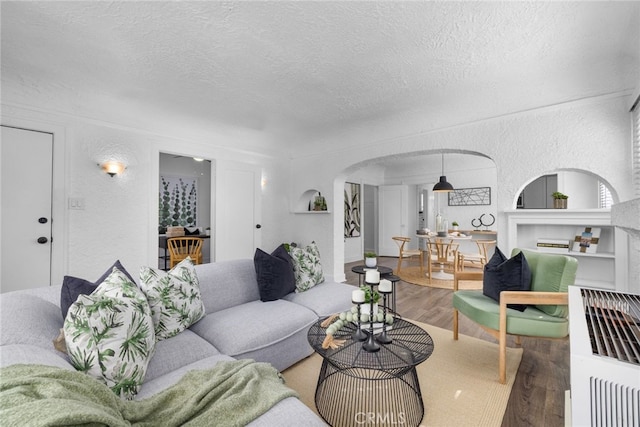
{"x":503,"y":343}
{"x":399,"y":264}
{"x":455,"y":324}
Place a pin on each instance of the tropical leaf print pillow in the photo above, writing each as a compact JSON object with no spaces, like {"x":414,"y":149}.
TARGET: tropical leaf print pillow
{"x":174,"y":298}
{"x":307,"y":268}
{"x":109,"y":334}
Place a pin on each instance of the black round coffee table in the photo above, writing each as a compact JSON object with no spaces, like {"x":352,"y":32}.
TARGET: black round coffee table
{"x":355,"y":386}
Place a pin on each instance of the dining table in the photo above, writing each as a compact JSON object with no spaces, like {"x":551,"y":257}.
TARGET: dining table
{"x":443,"y":246}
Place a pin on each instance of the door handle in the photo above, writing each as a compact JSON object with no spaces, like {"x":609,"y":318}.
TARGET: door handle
{"x":258,"y":226}
{"x":42,"y":240}
{"x":42,"y":220}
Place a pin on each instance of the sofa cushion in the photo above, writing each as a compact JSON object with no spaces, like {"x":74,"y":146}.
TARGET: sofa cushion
{"x":14,"y":354}
{"x":502,"y":274}
{"x":174,"y":297}
{"x":225,"y":284}
{"x":176,"y":352}
{"x":307,"y":267}
{"x":254,"y":325}
{"x":28,"y":319}
{"x":274,"y":273}
{"x":156,"y":385}
{"x":325,"y":299}
{"x":110,"y":336}
{"x":74,"y":286}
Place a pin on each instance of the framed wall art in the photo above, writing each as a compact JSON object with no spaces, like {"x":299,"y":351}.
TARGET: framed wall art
{"x":470,"y":196}
{"x":351,"y":209}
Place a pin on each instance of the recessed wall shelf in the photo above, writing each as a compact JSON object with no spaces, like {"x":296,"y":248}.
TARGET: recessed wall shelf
{"x":306,"y":201}
{"x":602,"y":269}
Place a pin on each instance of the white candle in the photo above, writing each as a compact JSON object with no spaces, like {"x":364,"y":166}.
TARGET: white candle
{"x":372,"y":276}
{"x":357,"y":296}
{"x":385,"y":285}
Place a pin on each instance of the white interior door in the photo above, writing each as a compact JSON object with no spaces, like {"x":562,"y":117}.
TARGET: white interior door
{"x":393,"y":217}
{"x":26,"y":159}
{"x":238,"y":214}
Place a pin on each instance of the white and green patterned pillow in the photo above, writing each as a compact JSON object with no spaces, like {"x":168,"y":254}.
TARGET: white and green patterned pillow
{"x":174,"y":297}
{"x":307,"y":268}
{"x":110,"y":336}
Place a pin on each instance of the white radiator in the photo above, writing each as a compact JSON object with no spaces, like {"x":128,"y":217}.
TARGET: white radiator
{"x":605,"y":358}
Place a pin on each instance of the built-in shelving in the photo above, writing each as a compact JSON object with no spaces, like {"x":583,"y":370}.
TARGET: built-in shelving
{"x":305,"y":201}
{"x":601,"y":269}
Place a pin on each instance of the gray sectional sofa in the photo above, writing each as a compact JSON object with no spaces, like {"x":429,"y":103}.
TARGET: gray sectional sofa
{"x":237,"y":325}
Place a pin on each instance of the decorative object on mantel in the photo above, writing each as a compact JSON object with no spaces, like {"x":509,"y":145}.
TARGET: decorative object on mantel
{"x":481,"y":222}
{"x":550,"y":244}
{"x":559,"y":200}
{"x":586,"y":240}
{"x":370,"y":259}
{"x":454,"y":226}
{"x":319,"y":203}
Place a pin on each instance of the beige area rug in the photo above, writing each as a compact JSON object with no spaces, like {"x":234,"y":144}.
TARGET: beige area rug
{"x":412,"y":274}
{"x":459,"y":382}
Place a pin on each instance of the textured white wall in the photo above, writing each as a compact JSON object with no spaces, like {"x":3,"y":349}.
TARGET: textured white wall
{"x":588,"y":135}
{"x":120,"y":216}
{"x":119,"y":220}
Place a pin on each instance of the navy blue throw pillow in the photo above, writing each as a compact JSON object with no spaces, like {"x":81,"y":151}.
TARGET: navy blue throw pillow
{"x":72,"y":287}
{"x":274,"y":273}
{"x":502,"y":274}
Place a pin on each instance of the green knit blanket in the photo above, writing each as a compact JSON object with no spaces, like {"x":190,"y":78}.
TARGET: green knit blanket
{"x":233,"y":393}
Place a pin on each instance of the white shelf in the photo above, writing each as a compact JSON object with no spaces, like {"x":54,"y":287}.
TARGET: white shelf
{"x":602,"y":269}
{"x":312,"y":212}
{"x":577,"y":254}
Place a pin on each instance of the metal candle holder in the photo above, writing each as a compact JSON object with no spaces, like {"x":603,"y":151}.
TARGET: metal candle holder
{"x":359,"y":334}
{"x":383,"y":338}
{"x":371,"y":345}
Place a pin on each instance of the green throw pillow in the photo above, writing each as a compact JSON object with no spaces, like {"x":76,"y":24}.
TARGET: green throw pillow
{"x":307,"y":268}
{"x":174,"y":297}
{"x":109,"y":334}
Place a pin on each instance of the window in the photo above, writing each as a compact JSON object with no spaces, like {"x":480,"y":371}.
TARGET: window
{"x":604,"y":198}
{"x":635,"y":115}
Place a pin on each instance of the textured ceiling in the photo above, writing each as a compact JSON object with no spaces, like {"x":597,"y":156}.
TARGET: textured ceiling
{"x":299,"y":71}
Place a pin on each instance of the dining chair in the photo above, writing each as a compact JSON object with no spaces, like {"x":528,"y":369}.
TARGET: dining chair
{"x":403,"y":252}
{"x":546,"y":312}
{"x":476,"y":259}
{"x":182,"y":247}
{"x":443,"y":252}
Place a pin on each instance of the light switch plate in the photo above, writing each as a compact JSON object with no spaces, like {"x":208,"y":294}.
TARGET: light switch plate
{"x":76,"y":203}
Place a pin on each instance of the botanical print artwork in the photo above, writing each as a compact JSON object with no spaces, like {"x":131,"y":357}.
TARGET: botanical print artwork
{"x":178,"y":199}
{"x":351,"y":210}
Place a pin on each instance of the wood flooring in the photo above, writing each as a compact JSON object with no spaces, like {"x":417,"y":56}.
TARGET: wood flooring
{"x":537,"y":397}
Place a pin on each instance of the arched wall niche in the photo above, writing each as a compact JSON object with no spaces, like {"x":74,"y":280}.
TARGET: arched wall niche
{"x":580,"y":185}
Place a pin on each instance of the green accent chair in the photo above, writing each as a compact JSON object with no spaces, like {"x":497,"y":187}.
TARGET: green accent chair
{"x":547,"y":313}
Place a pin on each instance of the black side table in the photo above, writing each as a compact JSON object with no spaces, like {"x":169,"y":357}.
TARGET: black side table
{"x":385,"y":273}
{"x":357,"y":388}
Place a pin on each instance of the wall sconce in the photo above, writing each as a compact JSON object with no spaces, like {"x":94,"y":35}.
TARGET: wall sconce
{"x":113,"y":167}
